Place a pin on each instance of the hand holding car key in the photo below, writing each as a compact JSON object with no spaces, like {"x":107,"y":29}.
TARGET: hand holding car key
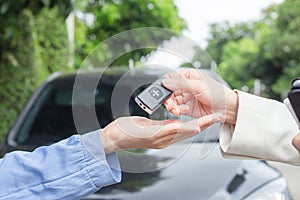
{"x":153,"y":97}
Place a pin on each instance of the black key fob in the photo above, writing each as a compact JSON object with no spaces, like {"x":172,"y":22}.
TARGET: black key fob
{"x":152,"y":97}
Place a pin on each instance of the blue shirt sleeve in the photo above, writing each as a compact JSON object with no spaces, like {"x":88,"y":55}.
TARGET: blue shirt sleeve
{"x":69,"y":169}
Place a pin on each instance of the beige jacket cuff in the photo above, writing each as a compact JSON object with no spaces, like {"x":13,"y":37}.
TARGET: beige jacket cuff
{"x":264,"y":130}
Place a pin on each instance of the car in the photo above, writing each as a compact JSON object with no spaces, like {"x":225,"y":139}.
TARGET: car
{"x":191,"y":169}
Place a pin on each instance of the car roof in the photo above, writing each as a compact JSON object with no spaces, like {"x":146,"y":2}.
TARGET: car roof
{"x":111,"y":75}
{"x":112,"y":71}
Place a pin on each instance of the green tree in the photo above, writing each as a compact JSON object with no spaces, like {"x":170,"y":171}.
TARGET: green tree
{"x":16,"y":70}
{"x":103,"y":19}
{"x":287,"y":44}
{"x":52,"y":36}
{"x":33,"y":43}
{"x":234,"y":47}
{"x":10,"y":11}
{"x":222,"y":33}
{"x":236,"y":60}
{"x":267,"y":49}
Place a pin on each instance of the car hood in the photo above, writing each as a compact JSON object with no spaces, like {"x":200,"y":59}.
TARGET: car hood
{"x":195,"y":171}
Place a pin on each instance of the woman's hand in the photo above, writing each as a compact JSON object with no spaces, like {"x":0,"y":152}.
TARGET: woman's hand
{"x":197,"y":95}
{"x":140,"y":132}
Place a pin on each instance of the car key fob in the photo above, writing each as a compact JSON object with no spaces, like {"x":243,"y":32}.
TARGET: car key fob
{"x":153,"y":96}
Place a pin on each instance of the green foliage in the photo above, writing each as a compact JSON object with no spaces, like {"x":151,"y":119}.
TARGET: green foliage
{"x":235,"y":61}
{"x":268,"y":49}
{"x":40,"y":48}
{"x":221,"y":33}
{"x":10,"y":10}
{"x":52,"y":36}
{"x":11,"y":7}
{"x":288,"y":44}
{"x":17,"y":70}
{"x":114,"y":16}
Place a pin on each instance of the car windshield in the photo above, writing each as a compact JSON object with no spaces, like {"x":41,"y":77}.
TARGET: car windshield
{"x":50,"y":118}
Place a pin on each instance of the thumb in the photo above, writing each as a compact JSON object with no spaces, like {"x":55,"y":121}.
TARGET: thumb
{"x":181,"y":84}
{"x":296,"y":142}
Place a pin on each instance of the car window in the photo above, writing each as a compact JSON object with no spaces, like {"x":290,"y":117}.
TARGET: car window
{"x":50,"y":119}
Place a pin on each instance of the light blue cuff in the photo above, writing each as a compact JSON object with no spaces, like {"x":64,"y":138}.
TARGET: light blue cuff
{"x":95,"y":152}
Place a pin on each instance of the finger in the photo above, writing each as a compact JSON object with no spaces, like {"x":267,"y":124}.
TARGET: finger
{"x":169,"y":103}
{"x":178,"y":136}
{"x":296,"y":142}
{"x":165,"y":122}
{"x":201,"y":123}
{"x":172,"y":106}
{"x":183,"y":98}
{"x":204,"y":122}
{"x":178,"y":92}
{"x":170,"y":121}
{"x":189,"y":128}
{"x":175,"y":128}
{"x":173,"y":103}
{"x":172,"y":75}
{"x":208,"y":120}
{"x":166,"y":127}
{"x":180,"y":84}
{"x":159,"y":133}
{"x":184,"y":109}
{"x":184,"y":73}
{"x":180,"y":109}
{"x":174,"y":111}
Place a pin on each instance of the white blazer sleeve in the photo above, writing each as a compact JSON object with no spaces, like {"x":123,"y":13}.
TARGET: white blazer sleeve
{"x":264,"y":130}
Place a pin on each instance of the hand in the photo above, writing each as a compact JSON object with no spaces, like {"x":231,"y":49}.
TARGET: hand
{"x":197,"y":95}
{"x":296,"y":142}
{"x":140,"y":132}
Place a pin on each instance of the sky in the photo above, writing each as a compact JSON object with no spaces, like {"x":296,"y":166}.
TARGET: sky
{"x":198,"y":14}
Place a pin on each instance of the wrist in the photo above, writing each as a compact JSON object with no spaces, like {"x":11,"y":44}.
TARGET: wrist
{"x":107,"y":143}
{"x":232,"y":104}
